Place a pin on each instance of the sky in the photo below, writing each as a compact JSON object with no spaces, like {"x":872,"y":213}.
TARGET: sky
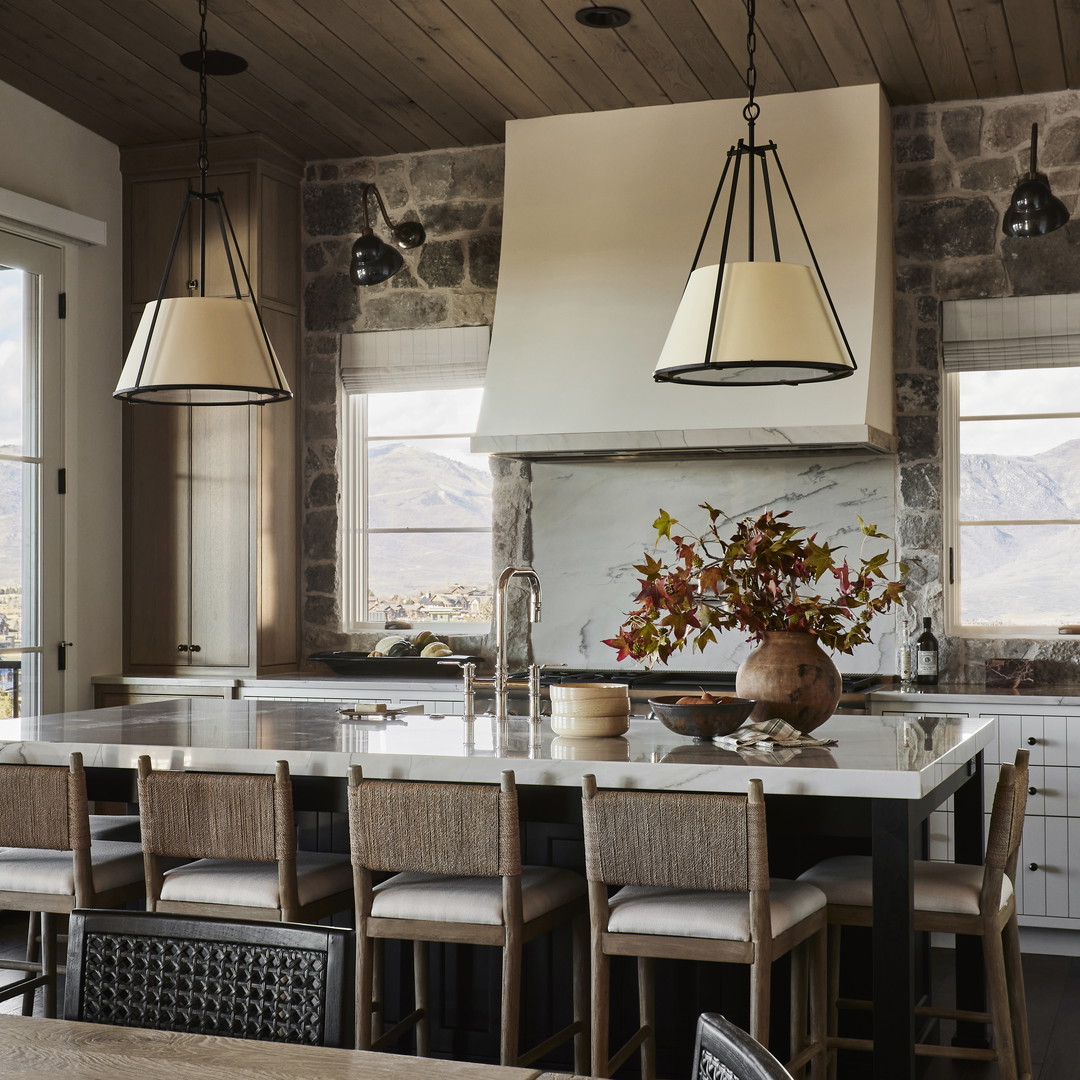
{"x":1011,"y":393}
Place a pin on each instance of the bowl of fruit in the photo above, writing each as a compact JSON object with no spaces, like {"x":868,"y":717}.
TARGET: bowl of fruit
{"x":701,"y":716}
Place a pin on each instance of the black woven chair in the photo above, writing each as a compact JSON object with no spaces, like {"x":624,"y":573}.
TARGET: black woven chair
{"x":277,"y":982}
{"x":723,"y":1051}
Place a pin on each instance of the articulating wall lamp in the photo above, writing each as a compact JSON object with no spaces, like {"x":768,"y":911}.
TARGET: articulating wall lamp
{"x":1034,"y":210}
{"x":757,"y":323}
{"x":199,"y":349}
{"x":373,"y":260}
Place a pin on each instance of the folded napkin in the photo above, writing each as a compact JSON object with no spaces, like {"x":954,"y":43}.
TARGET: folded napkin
{"x":768,"y":735}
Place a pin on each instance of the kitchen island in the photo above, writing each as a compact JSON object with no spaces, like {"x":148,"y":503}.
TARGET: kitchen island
{"x":882,"y":779}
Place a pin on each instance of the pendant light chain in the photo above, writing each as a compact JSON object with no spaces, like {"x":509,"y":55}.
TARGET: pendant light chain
{"x":204,"y":158}
{"x":751,"y":109}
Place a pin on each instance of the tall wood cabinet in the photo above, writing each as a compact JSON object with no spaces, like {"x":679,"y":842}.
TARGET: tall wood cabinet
{"x":211,"y":522}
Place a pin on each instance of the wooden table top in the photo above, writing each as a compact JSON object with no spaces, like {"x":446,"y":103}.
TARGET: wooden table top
{"x":34,"y":1048}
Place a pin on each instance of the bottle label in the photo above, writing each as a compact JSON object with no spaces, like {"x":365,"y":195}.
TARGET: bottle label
{"x":926,"y":664}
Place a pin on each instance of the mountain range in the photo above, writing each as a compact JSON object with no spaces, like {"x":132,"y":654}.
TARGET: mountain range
{"x":1020,"y":573}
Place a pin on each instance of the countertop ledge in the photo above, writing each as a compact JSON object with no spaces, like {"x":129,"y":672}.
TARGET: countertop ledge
{"x":1033,"y":695}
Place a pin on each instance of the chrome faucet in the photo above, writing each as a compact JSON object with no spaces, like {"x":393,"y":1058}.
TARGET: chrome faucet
{"x":499,"y":681}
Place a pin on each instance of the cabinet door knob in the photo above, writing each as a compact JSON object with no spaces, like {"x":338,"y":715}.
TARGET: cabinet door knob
{"x":196,"y":648}
{"x":1032,"y":741}
{"x":181,"y":648}
{"x":1033,"y":866}
{"x":1033,"y":791}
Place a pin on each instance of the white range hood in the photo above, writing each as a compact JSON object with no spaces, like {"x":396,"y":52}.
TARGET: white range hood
{"x":603,"y":212}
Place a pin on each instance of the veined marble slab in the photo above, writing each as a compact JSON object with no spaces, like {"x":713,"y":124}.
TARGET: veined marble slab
{"x":875,"y":756}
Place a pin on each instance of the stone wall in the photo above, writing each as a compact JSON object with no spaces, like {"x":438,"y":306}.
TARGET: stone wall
{"x":956,"y":167}
{"x":449,"y":281}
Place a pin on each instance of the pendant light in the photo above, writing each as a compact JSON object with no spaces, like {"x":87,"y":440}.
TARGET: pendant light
{"x":373,"y":260}
{"x":1034,"y":210}
{"x":759,"y":323}
{"x":199,"y":349}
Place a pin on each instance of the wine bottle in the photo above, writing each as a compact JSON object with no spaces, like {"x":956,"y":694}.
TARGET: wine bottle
{"x":926,"y":657}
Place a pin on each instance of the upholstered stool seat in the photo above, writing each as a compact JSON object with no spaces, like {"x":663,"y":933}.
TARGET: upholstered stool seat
{"x":124,"y":827}
{"x":454,"y":852}
{"x":239,"y":835}
{"x":446,"y":898}
{"x":684,"y":875}
{"x":951,"y":898}
{"x":952,"y":888}
{"x":113,"y":865}
{"x":643,"y":909}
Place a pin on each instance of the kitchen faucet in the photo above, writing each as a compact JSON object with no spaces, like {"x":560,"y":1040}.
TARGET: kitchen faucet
{"x":499,"y":681}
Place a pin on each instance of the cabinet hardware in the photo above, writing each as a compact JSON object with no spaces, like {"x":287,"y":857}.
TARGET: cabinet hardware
{"x":1033,"y":791}
{"x":1033,"y":866}
{"x":1032,"y":741}
{"x":195,"y":648}
{"x":181,"y":648}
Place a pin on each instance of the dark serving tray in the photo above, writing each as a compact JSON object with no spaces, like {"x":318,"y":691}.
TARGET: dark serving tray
{"x":360,"y":665}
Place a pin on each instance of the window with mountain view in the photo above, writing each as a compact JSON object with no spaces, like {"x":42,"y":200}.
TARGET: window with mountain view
{"x":417,"y":509}
{"x":1015,"y":459}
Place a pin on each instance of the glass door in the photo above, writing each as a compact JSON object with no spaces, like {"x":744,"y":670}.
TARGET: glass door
{"x":31,"y":545}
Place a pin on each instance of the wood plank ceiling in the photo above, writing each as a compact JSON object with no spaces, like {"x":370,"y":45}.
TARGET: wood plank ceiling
{"x":347,"y":78}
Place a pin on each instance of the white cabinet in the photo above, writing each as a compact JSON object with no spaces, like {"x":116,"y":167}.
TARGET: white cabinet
{"x":1048,"y":867}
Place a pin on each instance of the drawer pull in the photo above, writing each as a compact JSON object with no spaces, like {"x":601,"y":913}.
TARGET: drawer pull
{"x":1033,"y":791}
{"x":181,"y":648}
{"x":1033,"y":866}
{"x":1032,"y":741}
{"x":196,"y":648}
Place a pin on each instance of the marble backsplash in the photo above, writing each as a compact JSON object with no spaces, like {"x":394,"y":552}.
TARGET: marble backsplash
{"x":592,"y":521}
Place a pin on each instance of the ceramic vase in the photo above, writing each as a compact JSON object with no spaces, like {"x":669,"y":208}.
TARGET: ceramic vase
{"x":791,"y":677}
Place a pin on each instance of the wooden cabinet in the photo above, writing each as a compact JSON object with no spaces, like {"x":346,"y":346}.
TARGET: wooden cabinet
{"x":211,"y":529}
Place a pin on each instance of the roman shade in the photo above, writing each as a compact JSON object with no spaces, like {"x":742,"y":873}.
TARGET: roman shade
{"x":444,"y":358}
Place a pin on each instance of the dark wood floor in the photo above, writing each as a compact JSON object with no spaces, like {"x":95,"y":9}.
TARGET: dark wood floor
{"x":1053,"y":992}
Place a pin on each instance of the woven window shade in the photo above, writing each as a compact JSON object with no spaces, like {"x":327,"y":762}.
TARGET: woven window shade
{"x":1011,"y":332}
{"x":384,"y":361}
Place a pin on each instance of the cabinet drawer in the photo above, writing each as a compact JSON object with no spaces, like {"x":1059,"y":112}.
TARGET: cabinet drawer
{"x":1044,"y":737}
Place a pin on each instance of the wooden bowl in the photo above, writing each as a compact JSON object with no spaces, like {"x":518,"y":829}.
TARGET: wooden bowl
{"x":702,"y":721}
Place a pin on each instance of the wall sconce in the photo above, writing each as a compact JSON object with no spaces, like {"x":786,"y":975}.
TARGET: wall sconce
{"x":1034,"y":209}
{"x":373,"y":260}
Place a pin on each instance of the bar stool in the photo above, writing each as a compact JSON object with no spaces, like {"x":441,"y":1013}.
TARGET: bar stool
{"x":454,"y":851}
{"x":693,"y":872}
{"x":49,"y":865}
{"x":952,"y":898}
{"x":241,"y":832}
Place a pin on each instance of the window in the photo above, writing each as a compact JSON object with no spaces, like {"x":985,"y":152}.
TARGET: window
{"x":31,"y":575}
{"x":416,"y":503}
{"x":1012,"y":466}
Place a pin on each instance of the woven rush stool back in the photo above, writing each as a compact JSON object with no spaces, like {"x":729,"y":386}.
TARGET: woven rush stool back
{"x":44,"y":806}
{"x":677,"y":840}
{"x":467,"y":830}
{"x":1007,"y":815}
{"x":276,"y":982}
{"x":217,"y":816}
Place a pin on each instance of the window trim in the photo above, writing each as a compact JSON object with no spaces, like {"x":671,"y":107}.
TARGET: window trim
{"x":354,"y":521}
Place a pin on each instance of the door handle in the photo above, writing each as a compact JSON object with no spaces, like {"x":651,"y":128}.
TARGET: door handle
{"x":61,"y":654}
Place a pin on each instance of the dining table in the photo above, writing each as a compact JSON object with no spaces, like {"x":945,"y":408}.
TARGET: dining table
{"x":888,"y":772}
{"x":36,"y":1048}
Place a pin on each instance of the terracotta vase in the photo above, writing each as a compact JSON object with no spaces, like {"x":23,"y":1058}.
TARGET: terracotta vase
{"x":790,"y":676}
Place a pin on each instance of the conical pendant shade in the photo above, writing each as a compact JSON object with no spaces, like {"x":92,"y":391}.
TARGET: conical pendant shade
{"x":205,"y":350}
{"x":772,"y":326}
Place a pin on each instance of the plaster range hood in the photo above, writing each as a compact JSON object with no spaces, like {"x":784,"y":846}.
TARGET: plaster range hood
{"x":602,"y":214}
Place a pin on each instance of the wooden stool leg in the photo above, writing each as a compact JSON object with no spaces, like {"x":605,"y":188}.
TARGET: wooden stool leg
{"x":511,"y":1000}
{"x":760,"y":992}
{"x":364,"y":989}
{"x":647,"y":1014}
{"x":599,"y":1007}
{"x":581,"y":993}
{"x":817,"y":949}
{"x":998,"y":992}
{"x":34,"y":928}
{"x":377,"y":1006}
{"x":1014,"y":973}
{"x":420,"y":993}
{"x":797,"y":1029}
{"x":832,"y":1026}
{"x":48,"y":959}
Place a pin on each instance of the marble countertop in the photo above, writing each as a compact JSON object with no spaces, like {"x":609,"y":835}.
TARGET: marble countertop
{"x":875,"y":756}
{"x":1034,"y":695}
